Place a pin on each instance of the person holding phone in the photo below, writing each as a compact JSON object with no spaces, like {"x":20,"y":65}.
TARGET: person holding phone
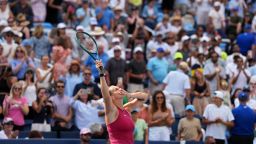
{"x":119,"y":122}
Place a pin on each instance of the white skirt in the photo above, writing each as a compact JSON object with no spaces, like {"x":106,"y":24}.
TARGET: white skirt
{"x":42,"y":127}
{"x":160,"y":133}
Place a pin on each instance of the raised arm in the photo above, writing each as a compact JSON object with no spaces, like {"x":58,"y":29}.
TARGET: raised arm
{"x":110,"y":109}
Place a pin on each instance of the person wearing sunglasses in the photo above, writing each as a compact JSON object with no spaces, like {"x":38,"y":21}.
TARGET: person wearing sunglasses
{"x":15,"y":106}
{"x":7,"y":132}
{"x":62,"y":111}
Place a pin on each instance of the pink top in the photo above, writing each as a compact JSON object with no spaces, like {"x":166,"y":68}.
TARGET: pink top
{"x":14,"y":110}
{"x":121,"y":130}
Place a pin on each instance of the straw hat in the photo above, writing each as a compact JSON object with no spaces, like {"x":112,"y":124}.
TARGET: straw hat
{"x":97,"y":31}
{"x":21,"y":18}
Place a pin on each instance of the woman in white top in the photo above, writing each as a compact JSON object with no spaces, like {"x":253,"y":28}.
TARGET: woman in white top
{"x":5,"y":11}
{"x":44,"y":73}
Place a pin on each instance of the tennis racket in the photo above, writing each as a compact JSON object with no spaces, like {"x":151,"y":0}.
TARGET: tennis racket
{"x":88,"y":44}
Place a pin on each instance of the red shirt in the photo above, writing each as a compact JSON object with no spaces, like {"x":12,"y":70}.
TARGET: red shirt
{"x":121,"y":130}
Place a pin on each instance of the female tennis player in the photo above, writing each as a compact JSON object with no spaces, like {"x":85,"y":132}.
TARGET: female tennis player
{"x":118,"y":120}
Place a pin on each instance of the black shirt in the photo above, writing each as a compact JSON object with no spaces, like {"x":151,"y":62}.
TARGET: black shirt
{"x":136,"y":67}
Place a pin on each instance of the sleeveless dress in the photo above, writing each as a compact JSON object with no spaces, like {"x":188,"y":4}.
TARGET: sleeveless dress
{"x":200,"y":102}
{"x":121,"y":130}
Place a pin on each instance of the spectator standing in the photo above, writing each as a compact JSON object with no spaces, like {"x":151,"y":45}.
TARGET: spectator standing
{"x":160,"y":118}
{"x":5,"y":11}
{"x":98,"y":33}
{"x":245,"y":40}
{"x":54,"y":9}
{"x":200,"y":90}
{"x":218,"y":118}
{"x":90,"y":62}
{"x":105,"y":16}
{"x":15,"y":106}
{"x":136,"y":71}
{"x":241,"y":75}
{"x":217,"y":17}
{"x":151,"y":14}
{"x":84,"y":14}
{"x":9,"y":45}
{"x":157,"y":68}
{"x":177,"y":88}
{"x":42,"y":112}
{"x":39,"y":10}
{"x":245,"y":119}
{"x":213,"y":71}
{"x":40,"y":42}
{"x":21,"y":63}
{"x":44,"y":73}
{"x":62,"y":111}
{"x":116,"y":68}
{"x":23,"y":7}
{"x":189,"y":128}
{"x":88,"y":84}
{"x":253,"y":87}
{"x":73,"y":77}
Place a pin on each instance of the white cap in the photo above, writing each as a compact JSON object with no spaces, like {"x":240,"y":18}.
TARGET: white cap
{"x":61,"y":25}
{"x":115,"y":40}
{"x":184,"y":38}
{"x":253,"y":79}
{"x":7,"y":29}
{"x":205,"y":38}
{"x":194,"y":36}
{"x":216,"y":3}
{"x":93,"y":21}
{"x":138,"y":49}
{"x":117,"y":48}
{"x":3,"y":23}
{"x":218,"y":94}
{"x":79,"y":27}
{"x":85,"y":131}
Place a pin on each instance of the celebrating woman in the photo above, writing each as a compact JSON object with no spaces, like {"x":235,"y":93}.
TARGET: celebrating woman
{"x":119,"y":122}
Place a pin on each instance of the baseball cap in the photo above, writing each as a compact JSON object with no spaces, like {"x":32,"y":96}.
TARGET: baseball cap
{"x":85,"y":131}
{"x":138,"y":49}
{"x":218,"y":94}
{"x":243,"y":96}
{"x":184,"y":38}
{"x":178,"y":55}
{"x":253,"y":79}
{"x":205,"y":39}
{"x":61,"y":25}
{"x":8,"y":120}
{"x":190,"y":107}
{"x":80,"y":27}
{"x":115,"y":39}
{"x":160,"y":50}
{"x":217,"y":3}
{"x":135,"y":111}
{"x":116,"y":48}
{"x":93,"y":21}
{"x":3,"y":23}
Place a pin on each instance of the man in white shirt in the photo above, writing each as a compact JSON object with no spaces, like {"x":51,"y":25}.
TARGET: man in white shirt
{"x":217,"y":117}
{"x":216,"y":17}
{"x":9,"y":46}
{"x":177,"y":87}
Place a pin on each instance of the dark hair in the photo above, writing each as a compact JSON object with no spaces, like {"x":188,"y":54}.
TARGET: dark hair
{"x":35,"y":134}
{"x":233,"y":96}
{"x":32,"y":72}
{"x":37,"y":92}
{"x":154,"y":107}
{"x":59,"y":81}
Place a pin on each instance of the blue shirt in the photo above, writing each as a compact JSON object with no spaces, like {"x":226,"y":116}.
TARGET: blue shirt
{"x":71,"y":81}
{"x":108,"y":15}
{"x":21,"y":73}
{"x":245,"y":42}
{"x":245,"y":119}
{"x":253,"y":70}
{"x":91,"y":63}
{"x":85,"y":22}
{"x":158,"y":68}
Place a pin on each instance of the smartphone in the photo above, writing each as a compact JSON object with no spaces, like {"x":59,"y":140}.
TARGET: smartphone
{"x":120,"y":80}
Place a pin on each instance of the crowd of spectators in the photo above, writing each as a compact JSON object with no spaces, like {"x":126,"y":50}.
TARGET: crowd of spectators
{"x":196,"y":59}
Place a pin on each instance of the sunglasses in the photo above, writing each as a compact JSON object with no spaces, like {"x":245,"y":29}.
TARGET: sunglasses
{"x":252,"y":83}
{"x":60,"y":86}
{"x":17,"y":89}
{"x":19,"y":51}
{"x":159,"y":98}
{"x":87,"y":73}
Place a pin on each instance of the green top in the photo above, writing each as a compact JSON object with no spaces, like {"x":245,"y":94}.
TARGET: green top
{"x":139,"y":130}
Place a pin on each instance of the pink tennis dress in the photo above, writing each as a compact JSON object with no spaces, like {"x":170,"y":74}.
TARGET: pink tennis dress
{"x":121,"y":130}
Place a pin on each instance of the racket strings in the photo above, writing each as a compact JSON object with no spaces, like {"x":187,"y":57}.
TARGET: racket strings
{"x":87,"y":43}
